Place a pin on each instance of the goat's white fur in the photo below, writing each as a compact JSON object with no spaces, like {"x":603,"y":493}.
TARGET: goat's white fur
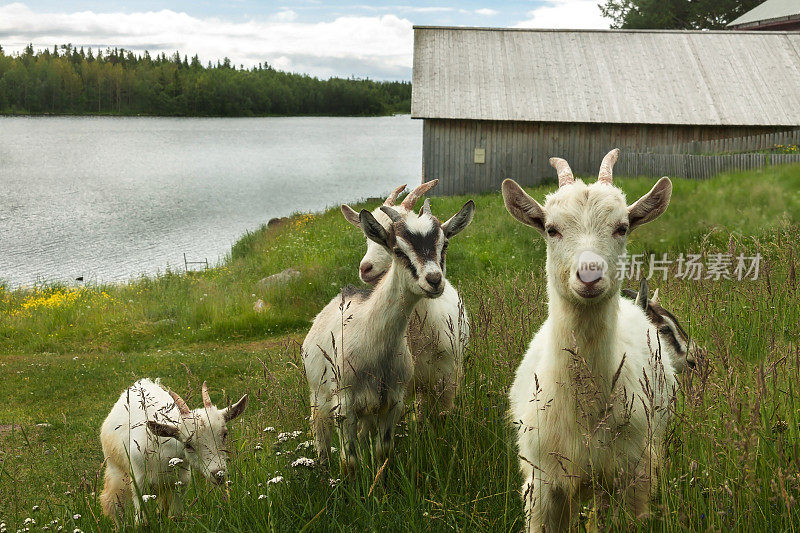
{"x":590,"y":398}
{"x":138,"y":460}
{"x":356,"y":357}
{"x":439,"y":328}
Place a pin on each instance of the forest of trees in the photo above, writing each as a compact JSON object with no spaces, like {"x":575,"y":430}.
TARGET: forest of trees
{"x":68,"y":80}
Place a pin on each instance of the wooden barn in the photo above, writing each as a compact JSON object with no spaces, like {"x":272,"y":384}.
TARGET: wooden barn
{"x":498,"y":103}
{"x":782,"y":15}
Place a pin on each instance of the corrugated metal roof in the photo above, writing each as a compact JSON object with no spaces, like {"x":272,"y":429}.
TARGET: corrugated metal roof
{"x":617,"y":76}
{"x":769,"y":10}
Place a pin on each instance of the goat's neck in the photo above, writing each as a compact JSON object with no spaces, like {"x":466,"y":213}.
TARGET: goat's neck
{"x":590,"y":331}
{"x":390,"y":305}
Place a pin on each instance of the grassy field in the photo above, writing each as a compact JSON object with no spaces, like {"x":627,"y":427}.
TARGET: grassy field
{"x":734,"y":448}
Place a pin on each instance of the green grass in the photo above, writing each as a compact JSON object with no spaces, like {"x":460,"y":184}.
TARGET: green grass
{"x":734,"y":450}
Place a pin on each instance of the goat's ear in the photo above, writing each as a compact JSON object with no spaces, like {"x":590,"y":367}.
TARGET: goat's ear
{"x":350,"y":215}
{"x":373,"y":229}
{"x":235,"y":410}
{"x":641,"y":297}
{"x":460,"y":220}
{"x":651,"y":205}
{"x":163,"y":430}
{"x":522,"y":207}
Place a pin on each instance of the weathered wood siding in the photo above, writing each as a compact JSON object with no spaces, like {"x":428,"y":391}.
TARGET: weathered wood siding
{"x":521,"y":150}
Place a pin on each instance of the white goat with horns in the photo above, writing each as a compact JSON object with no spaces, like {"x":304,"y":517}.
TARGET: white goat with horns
{"x":150,"y":441}
{"x":438,"y":331}
{"x":591,"y":397}
{"x":356,"y":356}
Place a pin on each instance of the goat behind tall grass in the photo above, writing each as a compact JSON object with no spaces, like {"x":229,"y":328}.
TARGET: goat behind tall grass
{"x":590,"y":400}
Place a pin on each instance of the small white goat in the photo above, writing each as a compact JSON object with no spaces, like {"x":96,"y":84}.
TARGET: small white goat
{"x":150,"y":441}
{"x":439,"y":328}
{"x":356,"y":357}
{"x":591,"y":397}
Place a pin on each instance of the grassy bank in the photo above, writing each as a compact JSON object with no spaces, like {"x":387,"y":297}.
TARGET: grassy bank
{"x":66,"y":353}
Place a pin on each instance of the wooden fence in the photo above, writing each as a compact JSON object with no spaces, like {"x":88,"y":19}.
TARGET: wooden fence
{"x":695,"y":166}
{"x":751,"y":143}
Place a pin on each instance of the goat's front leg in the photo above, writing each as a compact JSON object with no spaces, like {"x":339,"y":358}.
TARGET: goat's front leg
{"x":347,"y":428}
{"x":137,"y":491}
{"x":547,"y":508}
{"x":384,"y":440}
{"x":321,"y":428}
{"x":640,"y":489}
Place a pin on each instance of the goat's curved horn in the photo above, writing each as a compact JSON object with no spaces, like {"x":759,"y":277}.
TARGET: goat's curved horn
{"x":206,"y":397}
{"x":565,"y":176}
{"x":392,"y":198}
{"x":182,"y":407}
{"x":391,"y":213}
{"x":605,"y":167}
{"x":426,"y":207}
{"x":409,"y":201}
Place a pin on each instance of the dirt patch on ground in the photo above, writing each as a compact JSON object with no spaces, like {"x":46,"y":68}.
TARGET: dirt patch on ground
{"x":6,"y":429}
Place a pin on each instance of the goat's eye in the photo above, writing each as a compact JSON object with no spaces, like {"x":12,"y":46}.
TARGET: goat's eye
{"x":553,"y":232}
{"x":621,"y":230}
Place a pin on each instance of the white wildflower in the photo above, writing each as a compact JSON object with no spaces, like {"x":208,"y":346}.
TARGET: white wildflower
{"x":262,"y":496}
{"x":175,"y":461}
{"x":283,"y":437}
{"x":269,"y":429}
{"x":305,"y":444}
{"x":35,"y":508}
{"x":77,"y":530}
{"x":303,"y":461}
{"x":276,"y":479}
{"x":29,"y":522}
{"x":76,"y":517}
{"x":147,"y":497}
{"x":334,"y":449}
{"x":334,"y":482}
{"x":259,"y":446}
{"x":179,"y":483}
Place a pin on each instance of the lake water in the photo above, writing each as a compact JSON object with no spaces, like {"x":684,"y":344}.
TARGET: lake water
{"x":111,"y":198}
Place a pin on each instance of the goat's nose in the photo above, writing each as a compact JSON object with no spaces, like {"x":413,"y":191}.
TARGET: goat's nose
{"x":587,"y":280}
{"x":434,"y":279}
{"x":365,"y":268}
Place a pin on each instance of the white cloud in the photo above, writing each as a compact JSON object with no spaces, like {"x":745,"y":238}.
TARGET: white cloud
{"x":566,"y":14}
{"x":375,"y":46}
{"x":486,"y":12}
{"x":286,"y":15}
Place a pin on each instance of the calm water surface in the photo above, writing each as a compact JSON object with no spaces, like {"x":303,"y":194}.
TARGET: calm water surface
{"x":112,"y":198}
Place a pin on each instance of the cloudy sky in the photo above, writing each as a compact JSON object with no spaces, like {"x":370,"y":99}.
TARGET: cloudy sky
{"x":322,"y":38}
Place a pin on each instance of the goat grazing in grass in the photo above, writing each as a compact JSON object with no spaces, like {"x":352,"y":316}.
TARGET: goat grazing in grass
{"x":151,"y":440}
{"x":592,"y":395}
{"x":356,"y":356}
{"x":675,"y":342}
{"x":439,"y":328}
